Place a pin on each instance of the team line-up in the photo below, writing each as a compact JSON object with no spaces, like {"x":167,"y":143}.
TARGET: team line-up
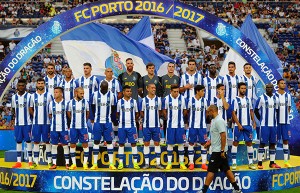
{"x":59,"y":111}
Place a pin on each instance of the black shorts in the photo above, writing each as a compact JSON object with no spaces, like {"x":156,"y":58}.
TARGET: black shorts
{"x":216,"y":162}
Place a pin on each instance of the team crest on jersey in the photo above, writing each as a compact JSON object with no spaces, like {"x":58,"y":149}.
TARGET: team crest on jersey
{"x":114,"y":62}
{"x":134,"y":78}
{"x":155,"y":81}
{"x":175,"y":81}
{"x":131,"y":105}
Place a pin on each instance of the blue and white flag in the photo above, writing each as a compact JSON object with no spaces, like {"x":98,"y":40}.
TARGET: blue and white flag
{"x":104,"y":46}
{"x":142,"y":32}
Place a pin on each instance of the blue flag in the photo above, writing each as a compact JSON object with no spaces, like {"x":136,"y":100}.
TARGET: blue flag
{"x":105,"y":46}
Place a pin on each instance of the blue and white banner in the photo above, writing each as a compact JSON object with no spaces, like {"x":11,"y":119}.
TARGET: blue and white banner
{"x":142,"y":32}
{"x":15,"y":33}
{"x":106,"y":46}
{"x":150,"y":181}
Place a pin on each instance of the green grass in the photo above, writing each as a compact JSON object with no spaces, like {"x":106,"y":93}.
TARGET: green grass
{"x":293,"y":190}
{"x":2,"y":154}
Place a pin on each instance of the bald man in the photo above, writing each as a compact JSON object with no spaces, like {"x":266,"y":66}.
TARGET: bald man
{"x":219,"y":147}
{"x":78,"y":111}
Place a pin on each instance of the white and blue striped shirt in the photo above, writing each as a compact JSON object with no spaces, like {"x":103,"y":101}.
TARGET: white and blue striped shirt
{"x":21,"y":105}
{"x":58,"y":110}
{"x":114,"y":86}
{"x":40,"y":103}
{"x":197,"y":110}
{"x":242,"y":107}
{"x":219,"y":103}
{"x":78,"y":111}
{"x":151,"y":108}
{"x":103,"y":103}
{"x":51,"y":83}
{"x":251,"y":86}
{"x":127,"y":110}
{"x":211,"y":86}
{"x":231,"y":86}
{"x":267,"y":106}
{"x":69,"y":88}
{"x":284,"y":102}
{"x":194,"y":79}
{"x":90,"y":85}
{"x":175,"y":107}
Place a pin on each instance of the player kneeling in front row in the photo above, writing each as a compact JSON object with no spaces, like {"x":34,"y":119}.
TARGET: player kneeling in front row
{"x":219,"y":147}
{"x":104,"y":103}
{"x":127,"y":112}
{"x":59,"y":128}
{"x":265,"y":111}
{"x":197,"y":106}
{"x":150,"y":111}
{"x":175,"y":109}
{"x":78,"y":112}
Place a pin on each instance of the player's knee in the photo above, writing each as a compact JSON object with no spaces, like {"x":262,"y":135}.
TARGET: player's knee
{"x":73,"y":145}
{"x":121,"y":145}
{"x":85,"y":145}
{"x":97,"y":142}
{"x":28,"y":141}
{"x":191,"y":144}
{"x":156,"y":143}
{"x":109,"y":142}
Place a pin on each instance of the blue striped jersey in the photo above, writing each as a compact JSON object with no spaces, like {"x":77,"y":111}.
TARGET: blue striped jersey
{"x":242,"y":107}
{"x":267,"y":106}
{"x":190,"y":79}
{"x":231,"y":86}
{"x":211,"y":86}
{"x":69,"y":88}
{"x":58,"y":110}
{"x":78,"y":111}
{"x":114,"y":86}
{"x":251,"y":86}
{"x":21,"y":105}
{"x":151,"y":108}
{"x":127,"y":110}
{"x":51,"y":83}
{"x":197,"y":109}
{"x":175,"y":107}
{"x":90,"y":85}
{"x":103,"y":103}
{"x":284,"y":102}
{"x":219,"y":103}
{"x":40,"y":103}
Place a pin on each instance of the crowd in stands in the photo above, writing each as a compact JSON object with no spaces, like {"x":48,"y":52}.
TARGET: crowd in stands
{"x":234,"y":12}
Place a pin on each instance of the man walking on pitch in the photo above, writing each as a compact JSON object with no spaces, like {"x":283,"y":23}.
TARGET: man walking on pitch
{"x":219,"y":147}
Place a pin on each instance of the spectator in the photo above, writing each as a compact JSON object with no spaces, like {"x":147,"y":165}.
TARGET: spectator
{"x":291,"y":48}
{"x":47,"y":60}
{"x":1,"y":51}
{"x":12,"y":45}
{"x":286,"y":43}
